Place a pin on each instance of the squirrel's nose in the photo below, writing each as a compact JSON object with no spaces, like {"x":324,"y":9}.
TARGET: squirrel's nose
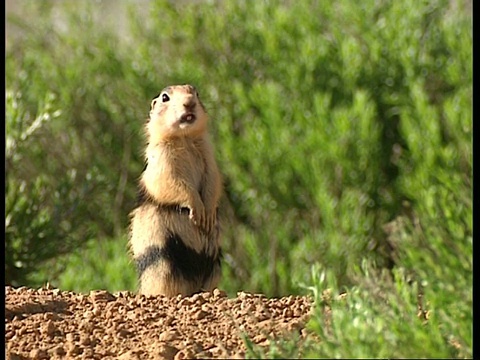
{"x":189,"y":103}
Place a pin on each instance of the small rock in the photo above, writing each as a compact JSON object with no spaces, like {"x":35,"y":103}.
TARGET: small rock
{"x":96,"y":311}
{"x":129,"y":355}
{"x":56,"y":292}
{"x":197,"y":298}
{"x":50,"y":316}
{"x":85,"y":339}
{"x":184,"y":302}
{"x":168,"y":335}
{"x":58,"y":350}
{"x":73,"y":349}
{"x":12,"y":356}
{"x":123,"y":333}
{"x":206,"y":308}
{"x":167,"y":351}
{"x":184,"y":354}
{"x":48,"y":328}
{"x":219,"y":293}
{"x":200,"y":314}
{"x":38,"y":354}
{"x":287,"y":312}
{"x":101,"y":295}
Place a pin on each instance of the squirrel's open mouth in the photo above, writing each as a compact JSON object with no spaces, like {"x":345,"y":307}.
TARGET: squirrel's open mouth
{"x":187,"y":118}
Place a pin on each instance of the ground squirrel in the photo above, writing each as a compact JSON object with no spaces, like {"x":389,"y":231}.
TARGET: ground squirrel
{"x":174,"y":230}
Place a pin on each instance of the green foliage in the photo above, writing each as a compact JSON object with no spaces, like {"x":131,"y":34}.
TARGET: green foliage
{"x":98,"y":264}
{"x":395,"y":317}
{"x":40,"y":210}
{"x":343,"y":130}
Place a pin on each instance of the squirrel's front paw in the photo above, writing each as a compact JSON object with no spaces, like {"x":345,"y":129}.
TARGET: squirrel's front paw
{"x":210,"y":222}
{"x":197,"y":214}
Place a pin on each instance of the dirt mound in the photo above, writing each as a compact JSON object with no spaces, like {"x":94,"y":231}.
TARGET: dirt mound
{"x":50,"y":323}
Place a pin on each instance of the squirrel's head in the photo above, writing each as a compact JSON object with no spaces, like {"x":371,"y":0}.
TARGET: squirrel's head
{"x":177,"y":111}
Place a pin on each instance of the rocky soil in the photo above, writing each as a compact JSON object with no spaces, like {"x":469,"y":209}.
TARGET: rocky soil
{"x":50,"y":323}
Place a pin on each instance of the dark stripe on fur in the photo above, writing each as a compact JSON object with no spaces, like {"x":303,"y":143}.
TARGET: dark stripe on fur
{"x":184,"y":261}
{"x":152,"y":255}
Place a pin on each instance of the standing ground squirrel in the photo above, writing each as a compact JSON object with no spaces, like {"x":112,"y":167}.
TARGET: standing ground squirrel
{"x":174,"y":230}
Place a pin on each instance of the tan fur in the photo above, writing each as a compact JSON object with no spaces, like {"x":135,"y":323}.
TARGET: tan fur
{"x":181,"y":170}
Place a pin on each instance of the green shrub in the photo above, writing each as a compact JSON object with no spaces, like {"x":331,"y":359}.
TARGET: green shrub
{"x":389,"y":318}
{"x":78,"y":171}
{"x":98,"y":264}
{"x":41,"y":219}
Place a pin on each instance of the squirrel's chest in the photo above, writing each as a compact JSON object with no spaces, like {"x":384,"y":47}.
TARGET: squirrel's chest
{"x":186,"y":162}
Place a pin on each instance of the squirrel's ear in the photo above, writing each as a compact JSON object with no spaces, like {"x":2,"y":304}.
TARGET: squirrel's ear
{"x":154,"y":101}
{"x":195,"y":91}
{"x":152,"y":104}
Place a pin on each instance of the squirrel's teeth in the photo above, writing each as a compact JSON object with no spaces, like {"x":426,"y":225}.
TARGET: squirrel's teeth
{"x":187,"y":118}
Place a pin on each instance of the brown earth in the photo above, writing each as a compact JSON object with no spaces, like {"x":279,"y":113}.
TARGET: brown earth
{"x":50,"y":323}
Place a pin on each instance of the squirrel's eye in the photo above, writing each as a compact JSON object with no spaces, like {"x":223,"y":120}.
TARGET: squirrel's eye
{"x":165,"y":98}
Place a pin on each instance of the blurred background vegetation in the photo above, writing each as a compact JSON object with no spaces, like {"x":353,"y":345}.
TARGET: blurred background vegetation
{"x":343,"y":130}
